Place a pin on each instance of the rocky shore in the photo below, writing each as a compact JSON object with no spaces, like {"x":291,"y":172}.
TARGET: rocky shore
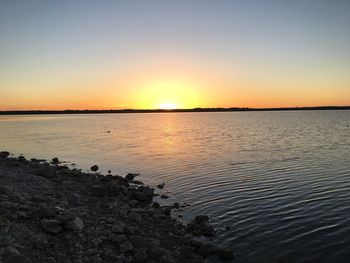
{"x":50,"y":213}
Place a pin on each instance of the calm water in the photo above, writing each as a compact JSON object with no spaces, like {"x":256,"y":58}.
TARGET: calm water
{"x":275,"y":184}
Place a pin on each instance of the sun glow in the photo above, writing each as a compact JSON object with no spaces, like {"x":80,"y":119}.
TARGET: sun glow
{"x":167,"y":94}
{"x":167,"y":106}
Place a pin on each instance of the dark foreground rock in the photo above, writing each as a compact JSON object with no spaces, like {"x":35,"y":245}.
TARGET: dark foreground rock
{"x":54,"y":214}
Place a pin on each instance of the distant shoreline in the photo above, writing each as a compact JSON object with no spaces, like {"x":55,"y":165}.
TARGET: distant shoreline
{"x":28,"y":112}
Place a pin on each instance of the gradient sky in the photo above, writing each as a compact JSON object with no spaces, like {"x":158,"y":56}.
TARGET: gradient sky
{"x":185,"y":54}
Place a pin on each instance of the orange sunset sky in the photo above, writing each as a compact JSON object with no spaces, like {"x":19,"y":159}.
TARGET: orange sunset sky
{"x":173,"y":54}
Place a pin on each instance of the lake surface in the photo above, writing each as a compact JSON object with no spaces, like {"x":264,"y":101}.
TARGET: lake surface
{"x":276,"y":185}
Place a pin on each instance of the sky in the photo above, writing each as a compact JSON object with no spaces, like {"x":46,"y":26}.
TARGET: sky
{"x":173,"y":54}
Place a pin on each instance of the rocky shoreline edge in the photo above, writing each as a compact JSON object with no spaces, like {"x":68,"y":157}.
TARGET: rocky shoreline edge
{"x":50,"y":213}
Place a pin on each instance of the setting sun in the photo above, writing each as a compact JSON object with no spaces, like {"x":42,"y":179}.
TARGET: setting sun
{"x":167,"y":106}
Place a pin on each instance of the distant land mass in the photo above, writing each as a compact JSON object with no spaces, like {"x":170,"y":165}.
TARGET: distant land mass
{"x":232,"y":109}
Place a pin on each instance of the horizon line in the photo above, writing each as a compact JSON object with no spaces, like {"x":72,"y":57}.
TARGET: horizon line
{"x":197,"y":109}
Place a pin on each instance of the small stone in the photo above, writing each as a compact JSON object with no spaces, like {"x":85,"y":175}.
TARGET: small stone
{"x":163,"y":196}
{"x":140,"y":256}
{"x":51,"y":226}
{"x":176,"y":205}
{"x":75,"y":225}
{"x":110,"y":220}
{"x":125,"y":247}
{"x":156,"y":253}
{"x":94,"y":168}
{"x":65,"y":217}
{"x":49,"y":211}
{"x":118,"y":229}
{"x":90,"y":252}
{"x":15,"y":259}
{"x":55,"y":160}
{"x":21,"y":158}
{"x":161,"y":186}
{"x":119,"y":238}
{"x":97,"y":241}
{"x":50,"y":260}
{"x":156,"y":205}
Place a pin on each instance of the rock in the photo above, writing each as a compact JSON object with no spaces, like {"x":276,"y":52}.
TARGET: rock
{"x":176,"y":205}
{"x":4,"y":154}
{"x":140,"y":256}
{"x":91,"y":252}
{"x":119,"y":238}
{"x":161,"y":186}
{"x":15,"y":259}
{"x":156,"y":205}
{"x":119,"y":228}
{"x":156,"y":253}
{"x":125,"y":247}
{"x":110,"y":220}
{"x":98,"y":191}
{"x":48,"y":172}
{"x":97,"y":241}
{"x":65,"y":217}
{"x":163,"y":196}
{"x":144,"y":242}
{"x":51,"y":226}
{"x":94,"y":168}
{"x":205,"y":250}
{"x":10,"y":251}
{"x":224,"y":253}
{"x":148,"y":191}
{"x":75,"y":225}
{"x":4,"y":189}
{"x":49,"y":211}
{"x":140,"y":196}
{"x":129,"y":177}
{"x":200,"y":226}
{"x":21,"y":158}
{"x":55,"y":160}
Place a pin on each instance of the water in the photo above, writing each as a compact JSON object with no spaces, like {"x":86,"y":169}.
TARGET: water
{"x":275,"y":184}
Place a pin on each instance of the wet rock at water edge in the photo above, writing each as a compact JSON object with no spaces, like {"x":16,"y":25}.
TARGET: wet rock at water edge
{"x":130,"y":177}
{"x":161,"y":186}
{"x":21,"y":158}
{"x":94,"y":168}
{"x":200,"y":226}
{"x":4,"y":154}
